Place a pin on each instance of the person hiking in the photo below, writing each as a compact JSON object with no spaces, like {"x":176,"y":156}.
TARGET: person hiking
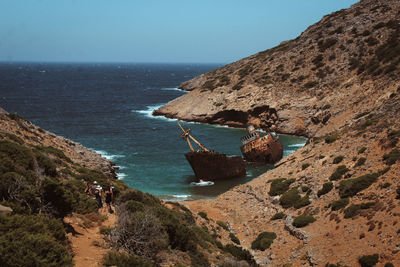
{"x":88,"y":189}
{"x":108,"y":195}
{"x":97,"y":195}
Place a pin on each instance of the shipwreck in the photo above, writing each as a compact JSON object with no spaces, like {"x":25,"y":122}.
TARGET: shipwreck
{"x":209,"y":165}
{"x":257,"y":148}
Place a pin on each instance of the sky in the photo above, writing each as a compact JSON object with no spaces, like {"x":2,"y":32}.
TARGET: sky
{"x":155,"y":31}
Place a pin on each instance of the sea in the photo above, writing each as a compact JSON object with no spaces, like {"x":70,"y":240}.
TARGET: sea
{"x":108,"y":108}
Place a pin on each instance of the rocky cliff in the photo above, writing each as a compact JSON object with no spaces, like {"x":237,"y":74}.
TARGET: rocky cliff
{"x":338,"y":67}
{"x":336,"y":200}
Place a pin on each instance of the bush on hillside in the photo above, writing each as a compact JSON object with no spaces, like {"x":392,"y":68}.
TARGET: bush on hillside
{"x":278,"y":216}
{"x":234,"y":238}
{"x":339,"y":204}
{"x":392,"y":157}
{"x":203,"y":215}
{"x":29,"y":240}
{"x":56,"y":196}
{"x":360,"y":162}
{"x":303,"y":220}
{"x":354,"y":209}
{"x":124,"y":260}
{"x":292,"y":198}
{"x":338,"y":173}
{"x":223,"y":225}
{"x":263,"y":241}
{"x":280,"y":186}
{"x":368,"y":260}
{"x":337,"y":159}
{"x":331,"y":138}
{"x":351,"y":187}
{"x":326,"y":188}
{"x":240,"y":254}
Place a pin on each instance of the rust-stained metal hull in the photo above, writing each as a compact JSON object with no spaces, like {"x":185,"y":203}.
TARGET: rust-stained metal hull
{"x":210,"y":166}
{"x":265,"y":149}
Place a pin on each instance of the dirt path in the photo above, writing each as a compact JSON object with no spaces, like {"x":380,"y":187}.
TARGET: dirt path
{"x":89,"y":246}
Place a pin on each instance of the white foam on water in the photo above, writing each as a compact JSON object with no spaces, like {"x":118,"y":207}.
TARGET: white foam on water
{"x":121,"y":175}
{"x":174,"y":89}
{"x":149,"y":112}
{"x":107,"y":155}
{"x":297,"y":145}
{"x":202,"y":183}
{"x":181,"y":196}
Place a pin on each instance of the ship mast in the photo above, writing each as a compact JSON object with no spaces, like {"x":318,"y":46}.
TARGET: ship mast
{"x":186,"y":135}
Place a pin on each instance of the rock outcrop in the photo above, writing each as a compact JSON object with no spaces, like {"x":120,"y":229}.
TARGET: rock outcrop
{"x":340,"y":66}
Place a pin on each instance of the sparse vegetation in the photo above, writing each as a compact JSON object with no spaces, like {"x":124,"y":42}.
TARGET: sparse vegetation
{"x":123,"y":259}
{"x":223,"y":225}
{"x":326,"y":188}
{"x":353,"y":210}
{"x":337,"y":159}
{"x":368,"y":260}
{"x":303,"y":220}
{"x":325,"y":44}
{"x":240,"y":254}
{"x":234,"y":238}
{"x":331,"y":138}
{"x":360,"y":162}
{"x":278,"y":216}
{"x":392,"y":157}
{"x":339,"y":204}
{"x":263,"y":241}
{"x":203,"y":215}
{"x":280,"y":186}
{"x":351,"y":187}
{"x":305,"y":166}
{"x":338,"y":173}
{"x":292,"y":198}
{"x":362,"y":150}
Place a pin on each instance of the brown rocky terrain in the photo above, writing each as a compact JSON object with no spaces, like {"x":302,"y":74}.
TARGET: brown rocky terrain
{"x":338,"y":83}
{"x":36,"y":136}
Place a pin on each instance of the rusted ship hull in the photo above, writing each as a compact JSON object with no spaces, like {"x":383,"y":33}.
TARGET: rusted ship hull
{"x":264,"y":149}
{"x":210,"y":166}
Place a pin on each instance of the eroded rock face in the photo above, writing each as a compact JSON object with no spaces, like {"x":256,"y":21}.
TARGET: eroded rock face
{"x":336,"y":68}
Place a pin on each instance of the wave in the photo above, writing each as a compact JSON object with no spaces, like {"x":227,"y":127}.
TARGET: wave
{"x":121,"y":175}
{"x":107,"y":155}
{"x":297,"y":145}
{"x":182,"y":196}
{"x":202,"y":183}
{"x":149,"y":112}
{"x":174,"y":89}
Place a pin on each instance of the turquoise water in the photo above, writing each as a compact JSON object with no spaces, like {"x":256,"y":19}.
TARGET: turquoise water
{"x":108,"y":107}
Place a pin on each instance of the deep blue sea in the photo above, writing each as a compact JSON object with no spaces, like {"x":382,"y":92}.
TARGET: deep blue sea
{"x":107,"y":107}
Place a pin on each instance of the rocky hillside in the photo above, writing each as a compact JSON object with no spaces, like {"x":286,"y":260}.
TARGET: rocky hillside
{"x":344,"y":64}
{"x":334,"y":202}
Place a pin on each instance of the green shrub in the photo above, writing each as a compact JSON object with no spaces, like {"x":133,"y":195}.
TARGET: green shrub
{"x":338,"y":173}
{"x":310,"y":84}
{"x":263,"y":241}
{"x":240,"y":254}
{"x":392,"y":157}
{"x":289,"y":198}
{"x":16,"y":155}
{"x":124,"y":260}
{"x":362,"y":150}
{"x":33,"y":240}
{"x":369,"y":260}
{"x":331,"y":138}
{"x":386,"y":185}
{"x":54,"y":151}
{"x":49,"y":167}
{"x":280,"y":186}
{"x":326,"y":187}
{"x":223,"y":225}
{"x":305,"y":166}
{"x":15,"y":138}
{"x":360,"y":162}
{"x":351,"y":187}
{"x":398,"y":192}
{"x":305,"y":188}
{"x":338,"y":159}
{"x":55,"y":195}
{"x":197,"y":259}
{"x":353,"y":210}
{"x":325,"y":44}
{"x":339,"y":204}
{"x":303,"y":220}
{"x":389,"y":264}
{"x":203,"y":215}
{"x":278,"y":216}
{"x":234,"y":238}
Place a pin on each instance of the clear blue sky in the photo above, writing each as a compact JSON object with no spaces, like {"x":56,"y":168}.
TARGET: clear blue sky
{"x":218,"y":31}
